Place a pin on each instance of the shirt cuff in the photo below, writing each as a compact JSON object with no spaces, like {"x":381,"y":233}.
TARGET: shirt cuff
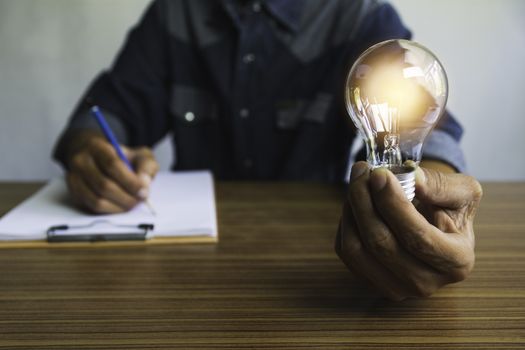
{"x":443,"y":147}
{"x":85,"y":120}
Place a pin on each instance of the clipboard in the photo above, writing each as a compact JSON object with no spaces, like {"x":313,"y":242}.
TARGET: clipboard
{"x":184,"y":201}
{"x":94,"y":232}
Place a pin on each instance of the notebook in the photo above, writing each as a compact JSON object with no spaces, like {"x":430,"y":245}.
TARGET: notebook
{"x":184,"y":205}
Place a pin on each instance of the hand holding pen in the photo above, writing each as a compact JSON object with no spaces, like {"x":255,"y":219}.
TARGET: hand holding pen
{"x":98,"y":177}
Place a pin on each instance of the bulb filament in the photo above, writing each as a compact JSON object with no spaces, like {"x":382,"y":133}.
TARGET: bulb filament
{"x":391,"y":155}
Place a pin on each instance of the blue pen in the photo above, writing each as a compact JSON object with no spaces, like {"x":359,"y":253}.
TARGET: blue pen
{"x":97,"y":113}
{"x":106,"y":130}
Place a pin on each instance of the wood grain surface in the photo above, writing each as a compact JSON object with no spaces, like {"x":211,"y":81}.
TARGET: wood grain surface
{"x":273,"y":281}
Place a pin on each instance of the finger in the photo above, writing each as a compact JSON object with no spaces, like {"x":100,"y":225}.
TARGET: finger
{"x":105,"y":187}
{"x":87,"y":199}
{"x":441,"y":250}
{"x":112,"y":166}
{"x":446,"y":190}
{"x":379,"y":241}
{"x":145,"y":164}
{"x":359,"y":261}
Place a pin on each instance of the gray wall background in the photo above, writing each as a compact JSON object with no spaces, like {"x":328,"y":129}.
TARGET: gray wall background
{"x":51,"y":49}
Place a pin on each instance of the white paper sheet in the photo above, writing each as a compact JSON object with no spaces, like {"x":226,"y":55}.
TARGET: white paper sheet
{"x":184,"y":203}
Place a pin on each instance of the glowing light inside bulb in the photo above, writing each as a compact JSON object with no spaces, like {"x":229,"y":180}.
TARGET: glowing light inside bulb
{"x":388,"y":93}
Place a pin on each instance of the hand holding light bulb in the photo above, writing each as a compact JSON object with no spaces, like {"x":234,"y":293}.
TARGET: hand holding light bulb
{"x":404,"y":249}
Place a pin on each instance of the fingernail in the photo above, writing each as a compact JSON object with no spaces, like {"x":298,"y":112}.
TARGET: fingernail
{"x":143,"y":193}
{"x":358,"y":169}
{"x":146,"y":179}
{"x":378,"y":179}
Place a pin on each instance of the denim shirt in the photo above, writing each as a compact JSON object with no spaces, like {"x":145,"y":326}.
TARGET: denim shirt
{"x":249,"y":89}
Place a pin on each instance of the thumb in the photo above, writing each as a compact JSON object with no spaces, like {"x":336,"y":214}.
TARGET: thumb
{"x":446,"y":190}
{"x":144,"y":163}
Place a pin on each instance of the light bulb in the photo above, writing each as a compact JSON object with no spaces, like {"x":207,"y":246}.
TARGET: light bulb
{"x":395,"y":93}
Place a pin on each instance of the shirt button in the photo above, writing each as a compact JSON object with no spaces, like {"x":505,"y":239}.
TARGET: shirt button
{"x":256,"y":7}
{"x":248,"y":58}
{"x":244,"y":113}
{"x":248,"y":163}
{"x":189,"y":116}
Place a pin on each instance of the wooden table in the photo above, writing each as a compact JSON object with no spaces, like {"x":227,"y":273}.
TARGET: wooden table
{"x":272,"y":281}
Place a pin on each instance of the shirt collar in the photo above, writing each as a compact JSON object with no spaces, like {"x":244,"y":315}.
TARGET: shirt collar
{"x":286,"y":12}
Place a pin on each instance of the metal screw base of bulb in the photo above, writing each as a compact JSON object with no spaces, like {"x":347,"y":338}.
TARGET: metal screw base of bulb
{"x":407,"y":178}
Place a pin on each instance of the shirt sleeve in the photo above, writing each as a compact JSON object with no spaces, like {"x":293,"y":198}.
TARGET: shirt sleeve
{"x":133,"y":93}
{"x":383,"y":23}
{"x":443,"y":143}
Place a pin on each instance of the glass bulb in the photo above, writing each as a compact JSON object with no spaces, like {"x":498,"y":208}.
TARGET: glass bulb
{"x":396,"y":91}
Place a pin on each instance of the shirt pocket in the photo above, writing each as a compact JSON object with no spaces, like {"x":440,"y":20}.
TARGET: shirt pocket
{"x":290,"y":114}
{"x":192,"y":107}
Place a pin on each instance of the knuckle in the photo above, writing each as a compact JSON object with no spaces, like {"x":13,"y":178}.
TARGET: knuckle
{"x":97,"y":205}
{"x":99,"y":141}
{"x":460,"y":274}
{"x":419,"y":283}
{"x":133,"y":188}
{"x":131,"y":185}
{"x":423,"y":291}
{"x":92,"y":142}
{"x":77,"y":161}
{"x":112,"y":165}
{"x":96,"y":144}
{"x":477,"y":190}
{"x":145,"y":151}
{"x":422,"y":288}
{"x":130,"y":204}
{"x":462,"y":267}
{"x":104,"y":186}
{"x":379,"y":242}
{"x":457,"y":275}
